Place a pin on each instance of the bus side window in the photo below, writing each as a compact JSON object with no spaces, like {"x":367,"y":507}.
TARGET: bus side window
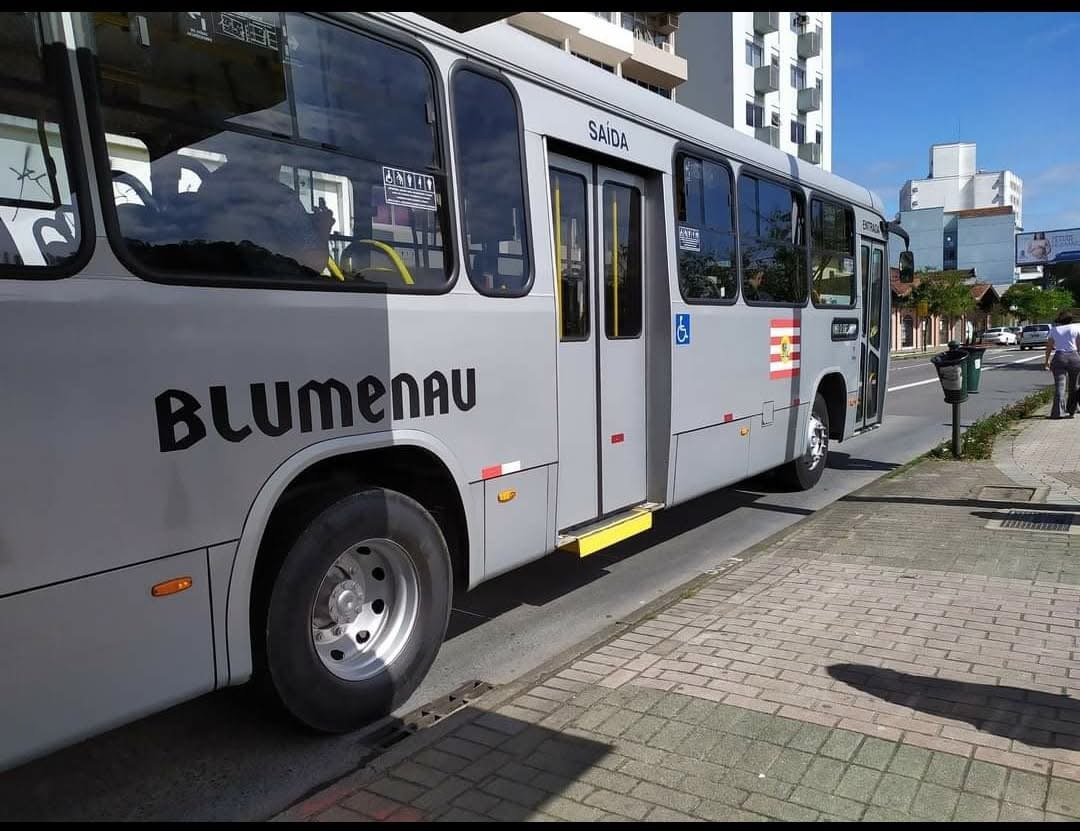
{"x":706,"y":230}
{"x":323,"y":192}
{"x":492,"y":185}
{"x":39,"y":221}
{"x":570,"y":219}
{"x":772,"y":240}
{"x":832,"y":254}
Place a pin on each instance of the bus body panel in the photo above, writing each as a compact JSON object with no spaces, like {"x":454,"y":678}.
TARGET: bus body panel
{"x":703,"y":457}
{"x":515,"y":530}
{"x":86,"y":655}
{"x":97,"y":420}
{"x":221,"y":560}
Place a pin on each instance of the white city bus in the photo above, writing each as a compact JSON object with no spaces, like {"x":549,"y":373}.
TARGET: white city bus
{"x":308,"y":319}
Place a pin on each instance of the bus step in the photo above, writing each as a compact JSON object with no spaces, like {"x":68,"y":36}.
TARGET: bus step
{"x":588,"y":539}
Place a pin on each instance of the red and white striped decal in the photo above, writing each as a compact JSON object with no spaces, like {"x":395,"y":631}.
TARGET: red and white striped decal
{"x":784,"y":340}
{"x":500,"y":470}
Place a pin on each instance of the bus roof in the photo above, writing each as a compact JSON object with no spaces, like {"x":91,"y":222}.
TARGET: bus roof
{"x":522,"y":54}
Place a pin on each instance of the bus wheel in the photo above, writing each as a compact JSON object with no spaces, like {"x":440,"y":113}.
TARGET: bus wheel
{"x":804,"y":472}
{"x":358,"y":610}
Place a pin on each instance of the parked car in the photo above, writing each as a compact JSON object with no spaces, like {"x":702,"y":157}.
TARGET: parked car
{"x":1016,"y":330}
{"x":1034,"y":335}
{"x":999,"y":335}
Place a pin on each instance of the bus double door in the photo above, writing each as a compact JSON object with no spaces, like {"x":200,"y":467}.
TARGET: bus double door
{"x":598,"y":241}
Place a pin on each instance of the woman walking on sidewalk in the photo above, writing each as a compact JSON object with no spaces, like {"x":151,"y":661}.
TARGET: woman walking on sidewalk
{"x":1063,"y":340}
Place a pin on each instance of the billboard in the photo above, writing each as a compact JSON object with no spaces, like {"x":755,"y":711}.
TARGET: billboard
{"x":1048,"y":247}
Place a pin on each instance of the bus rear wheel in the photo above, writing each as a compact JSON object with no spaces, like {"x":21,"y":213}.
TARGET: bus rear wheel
{"x":804,"y":472}
{"x":358,"y":610}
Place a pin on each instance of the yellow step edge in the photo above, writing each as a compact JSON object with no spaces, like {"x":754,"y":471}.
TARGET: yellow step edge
{"x":616,"y":531}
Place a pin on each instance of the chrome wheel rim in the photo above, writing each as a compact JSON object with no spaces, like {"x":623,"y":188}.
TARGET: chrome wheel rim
{"x":365,"y":609}
{"x":817,"y":442}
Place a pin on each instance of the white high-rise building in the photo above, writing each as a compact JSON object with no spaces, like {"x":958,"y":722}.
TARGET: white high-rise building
{"x":956,"y":184}
{"x":767,"y":74}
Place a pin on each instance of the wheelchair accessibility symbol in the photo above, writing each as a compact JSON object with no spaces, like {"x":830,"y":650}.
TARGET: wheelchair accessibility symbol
{"x":682,"y":329}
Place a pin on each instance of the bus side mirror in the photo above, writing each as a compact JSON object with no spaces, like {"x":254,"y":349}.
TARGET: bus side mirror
{"x":907,"y":267}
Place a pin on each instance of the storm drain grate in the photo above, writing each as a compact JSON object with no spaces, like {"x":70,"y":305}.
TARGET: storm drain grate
{"x":385,"y":736}
{"x":440,"y":708}
{"x":1036,"y":521}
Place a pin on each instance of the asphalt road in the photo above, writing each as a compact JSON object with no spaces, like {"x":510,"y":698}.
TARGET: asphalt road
{"x":225,"y":757}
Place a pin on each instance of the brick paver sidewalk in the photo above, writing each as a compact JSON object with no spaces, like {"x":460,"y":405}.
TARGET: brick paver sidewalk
{"x":898,"y":655}
{"x":1045,"y":453}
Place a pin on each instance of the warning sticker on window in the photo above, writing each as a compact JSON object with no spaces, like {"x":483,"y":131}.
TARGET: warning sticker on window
{"x":689,"y":238}
{"x":248,"y":29}
{"x":408,"y":189}
{"x":198,"y":26}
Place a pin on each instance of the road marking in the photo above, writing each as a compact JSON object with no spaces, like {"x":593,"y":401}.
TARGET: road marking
{"x":986,"y":368}
{"x":916,"y":384}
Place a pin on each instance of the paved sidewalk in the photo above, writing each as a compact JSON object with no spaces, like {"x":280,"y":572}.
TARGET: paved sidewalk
{"x":1044,"y":454}
{"x":903,"y":654}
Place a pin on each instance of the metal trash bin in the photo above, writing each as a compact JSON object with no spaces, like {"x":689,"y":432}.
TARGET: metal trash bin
{"x":950,"y":368}
{"x":973,"y":367}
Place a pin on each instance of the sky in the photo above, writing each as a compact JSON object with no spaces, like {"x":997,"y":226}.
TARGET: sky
{"x":1008,"y":82}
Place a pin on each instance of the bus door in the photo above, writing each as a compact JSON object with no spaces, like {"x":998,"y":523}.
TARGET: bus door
{"x":871,"y":365}
{"x":598,"y":229}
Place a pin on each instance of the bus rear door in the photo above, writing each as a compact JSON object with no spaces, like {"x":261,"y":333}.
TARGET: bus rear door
{"x":598,"y":228}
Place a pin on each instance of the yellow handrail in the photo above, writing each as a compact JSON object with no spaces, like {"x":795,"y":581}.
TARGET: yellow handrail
{"x":615,"y":258}
{"x":558,"y":258}
{"x":334,"y":270}
{"x":403,"y":269}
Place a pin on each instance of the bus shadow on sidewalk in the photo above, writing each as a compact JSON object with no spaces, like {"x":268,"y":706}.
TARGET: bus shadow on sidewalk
{"x":1035,"y":718}
{"x":845,"y":461}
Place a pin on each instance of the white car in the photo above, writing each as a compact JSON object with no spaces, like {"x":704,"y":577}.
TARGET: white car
{"x":1034,"y":335}
{"x":1000,"y":335}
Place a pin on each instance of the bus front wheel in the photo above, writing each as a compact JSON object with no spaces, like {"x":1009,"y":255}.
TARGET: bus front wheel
{"x":358,"y":610}
{"x":805,"y":471}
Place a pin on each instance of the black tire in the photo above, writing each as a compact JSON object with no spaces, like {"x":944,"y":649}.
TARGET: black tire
{"x":803,"y":473}
{"x":306,"y":688}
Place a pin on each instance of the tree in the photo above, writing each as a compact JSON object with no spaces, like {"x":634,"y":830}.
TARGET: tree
{"x":1035,"y":304}
{"x":945,"y":293}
